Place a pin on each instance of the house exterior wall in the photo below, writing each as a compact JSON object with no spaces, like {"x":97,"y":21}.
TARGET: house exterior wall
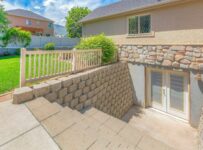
{"x":16,"y":21}
{"x":137,"y":74}
{"x":180,"y":24}
{"x":176,"y":43}
{"x":196,"y":97}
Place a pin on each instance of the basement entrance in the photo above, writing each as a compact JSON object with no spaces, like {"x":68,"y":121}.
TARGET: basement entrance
{"x":167,"y":91}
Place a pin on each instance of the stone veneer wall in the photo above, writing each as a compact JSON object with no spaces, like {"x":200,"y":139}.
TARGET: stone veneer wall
{"x":200,"y":132}
{"x":185,"y":57}
{"x":107,"y":88}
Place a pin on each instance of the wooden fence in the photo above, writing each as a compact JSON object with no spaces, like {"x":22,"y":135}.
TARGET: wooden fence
{"x":37,"y":65}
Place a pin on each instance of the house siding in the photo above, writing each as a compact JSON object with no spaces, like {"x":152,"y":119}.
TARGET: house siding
{"x":177,"y":44}
{"x":179,"y":25}
{"x":16,"y":21}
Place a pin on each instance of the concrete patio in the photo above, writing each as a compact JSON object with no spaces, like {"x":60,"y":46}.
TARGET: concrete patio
{"x":39,"y":125}
{"x":169,"y":130}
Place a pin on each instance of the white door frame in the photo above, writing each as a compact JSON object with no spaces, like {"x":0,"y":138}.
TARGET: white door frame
{"x":166,"y":89}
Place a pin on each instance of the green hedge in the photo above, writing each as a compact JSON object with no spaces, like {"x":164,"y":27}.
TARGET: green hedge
{"x":49,"y":46}
{"x":99,"y":42}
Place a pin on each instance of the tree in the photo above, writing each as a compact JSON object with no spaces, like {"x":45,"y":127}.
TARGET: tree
{"x":12,"y":35}
{"x":16,"y":35}
{"x":3,"y":20}
{"x":73,"y":26}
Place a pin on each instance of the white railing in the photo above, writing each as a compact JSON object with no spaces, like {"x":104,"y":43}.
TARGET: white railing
{"x":36,"y":65}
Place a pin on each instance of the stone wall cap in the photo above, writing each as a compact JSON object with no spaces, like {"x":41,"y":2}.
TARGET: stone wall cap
{"x":63,"y":78}
{"x":52,"y":82}
{"x":41,"y":85}
{"x":22,"y":90}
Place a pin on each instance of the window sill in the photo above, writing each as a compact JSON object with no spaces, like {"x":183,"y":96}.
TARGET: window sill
{"x":152,"y":34}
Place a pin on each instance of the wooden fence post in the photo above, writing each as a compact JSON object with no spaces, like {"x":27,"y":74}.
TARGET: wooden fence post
{"x":22,"y":67}
{"x":100,"y":57}
{"x":74,"y":61}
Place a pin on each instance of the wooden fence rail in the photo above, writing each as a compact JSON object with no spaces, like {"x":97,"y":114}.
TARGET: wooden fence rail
{"x":36,"y":65}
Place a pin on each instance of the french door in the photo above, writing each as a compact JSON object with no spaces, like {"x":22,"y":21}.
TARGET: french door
{"x":168,"y":92}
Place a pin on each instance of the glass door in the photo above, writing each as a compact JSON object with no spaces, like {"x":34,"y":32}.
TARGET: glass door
{"x":177,"y":96}
{"x":168,"y":92}
{"x":157,"y":94}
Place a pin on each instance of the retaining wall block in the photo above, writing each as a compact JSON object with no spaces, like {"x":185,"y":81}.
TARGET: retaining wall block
{"x":41,"y":89}
{"x":62,"y":93}
{"x":51,"y":97}
{"x":74,"y":103}
{"x":72,"y":88}
{"x":66,"y":82}
{"x":55,"y":85}
{"x":68,"y":98}
{"x":22,"y":95}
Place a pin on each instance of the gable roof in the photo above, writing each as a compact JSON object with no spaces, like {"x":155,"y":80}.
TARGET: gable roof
{"x":26,"y":14}
{"x":123,"y":6}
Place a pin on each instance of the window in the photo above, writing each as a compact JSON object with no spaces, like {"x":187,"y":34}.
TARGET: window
{"x":38,"y":22}
{"x":139,"y":25}
{"x":50,"y":25}
{"x":133,"y":25}
{"x":28,"y":22}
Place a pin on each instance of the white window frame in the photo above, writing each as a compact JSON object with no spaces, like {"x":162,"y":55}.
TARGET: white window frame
{"x":151,"y":33}
{"x":28,"y":22}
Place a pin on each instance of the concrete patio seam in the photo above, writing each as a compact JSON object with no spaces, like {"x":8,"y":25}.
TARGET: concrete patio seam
{"x":64,"y":130}
{"x":42,"y":119}
{"x":45,"y":128}
{"x":20,"y":135}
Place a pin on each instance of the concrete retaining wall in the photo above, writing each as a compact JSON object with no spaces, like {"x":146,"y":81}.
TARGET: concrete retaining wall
{"x":200,"y":132}
{"x":107,"y":88}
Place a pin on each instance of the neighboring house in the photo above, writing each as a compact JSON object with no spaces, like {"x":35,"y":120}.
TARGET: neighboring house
{"x":60,"y":31}
{"x":163,"y":42}
{"x":29,"y":21}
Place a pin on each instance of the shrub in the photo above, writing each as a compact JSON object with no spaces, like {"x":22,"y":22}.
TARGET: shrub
{"x":49,"y":46}
{"x":99,"y":42}
{"x":16,"y":35}
{"x":6,"y":53}
{"x":17,"y":52}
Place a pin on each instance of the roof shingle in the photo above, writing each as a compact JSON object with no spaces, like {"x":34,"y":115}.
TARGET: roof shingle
{"x":122,"y":7}
{"x":27,"y":14}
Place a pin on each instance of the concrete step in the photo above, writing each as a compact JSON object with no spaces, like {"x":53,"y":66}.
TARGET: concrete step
{"x":41,"y":108}
{"x":89,"y":129}
{"x":59,"y":122}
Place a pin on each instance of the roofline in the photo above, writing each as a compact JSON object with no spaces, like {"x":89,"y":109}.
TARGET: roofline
{"x":48,"y":20}
{"x":141,"y":9}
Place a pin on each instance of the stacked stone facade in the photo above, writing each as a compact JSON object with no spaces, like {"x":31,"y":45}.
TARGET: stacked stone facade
{"x":184,"y":57}
{"x":106,"y":88}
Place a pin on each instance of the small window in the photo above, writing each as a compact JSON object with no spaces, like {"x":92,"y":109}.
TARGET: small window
{"x":139,"y":25}
{"x":50,"y":25}
{"x":38,"y":22}
{"x":28,"y":22}
{"x":145,"y":24}
{"x":133,"y":25}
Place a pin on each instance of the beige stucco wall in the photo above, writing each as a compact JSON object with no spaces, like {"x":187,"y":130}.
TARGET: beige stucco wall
{"x":180,"y":24}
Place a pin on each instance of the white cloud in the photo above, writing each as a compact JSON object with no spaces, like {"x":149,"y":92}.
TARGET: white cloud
{"x":37,"y":7}
{"x":9,"y":6}
{"x":55,"y":10}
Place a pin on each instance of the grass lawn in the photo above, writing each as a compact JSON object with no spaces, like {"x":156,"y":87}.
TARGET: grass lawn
{"x":9,"y":73}
{"x":10,"y":70}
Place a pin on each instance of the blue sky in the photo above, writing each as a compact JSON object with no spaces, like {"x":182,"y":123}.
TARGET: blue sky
{"x":54,"y":9}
